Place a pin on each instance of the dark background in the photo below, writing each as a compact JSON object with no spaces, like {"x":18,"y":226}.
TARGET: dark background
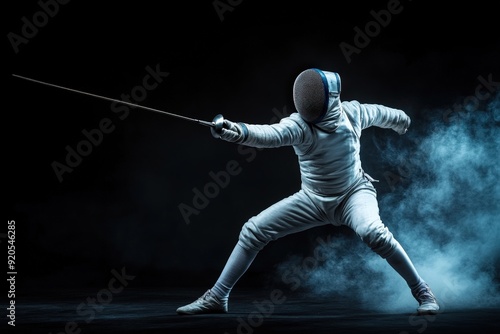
{"x":119,"y":206}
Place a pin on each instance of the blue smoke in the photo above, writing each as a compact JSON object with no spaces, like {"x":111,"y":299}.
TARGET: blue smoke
{"x":444,"y":210}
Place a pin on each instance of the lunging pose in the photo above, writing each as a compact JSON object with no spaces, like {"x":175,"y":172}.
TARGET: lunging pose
{"x":325,"y":134}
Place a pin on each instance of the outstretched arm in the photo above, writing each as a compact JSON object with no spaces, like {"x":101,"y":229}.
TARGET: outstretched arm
{"x":289,"y":131}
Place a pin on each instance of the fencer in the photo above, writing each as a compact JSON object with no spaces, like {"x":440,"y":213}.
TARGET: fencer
{"x":325,"y":135}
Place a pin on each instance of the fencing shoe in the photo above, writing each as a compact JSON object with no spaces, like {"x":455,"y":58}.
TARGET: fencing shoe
{"x":208,"y":303}
{"x":426,"y":300}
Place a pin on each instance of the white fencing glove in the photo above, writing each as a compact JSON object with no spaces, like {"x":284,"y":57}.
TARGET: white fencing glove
{"x":231,"y":132}
{"x":403,"y":126}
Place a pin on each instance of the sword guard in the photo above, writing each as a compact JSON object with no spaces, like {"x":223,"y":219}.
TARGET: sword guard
{"x":217,"y":125}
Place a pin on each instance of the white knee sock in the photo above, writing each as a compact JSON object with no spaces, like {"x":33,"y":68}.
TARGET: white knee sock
{"x":401,"y":262}
{"x":237,"y":264}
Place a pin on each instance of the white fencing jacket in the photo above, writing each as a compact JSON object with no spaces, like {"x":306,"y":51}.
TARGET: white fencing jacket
{"x":328,"y":151}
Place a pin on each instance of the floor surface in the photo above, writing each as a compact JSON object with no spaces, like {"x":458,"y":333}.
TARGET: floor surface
{"x":252,"y":311}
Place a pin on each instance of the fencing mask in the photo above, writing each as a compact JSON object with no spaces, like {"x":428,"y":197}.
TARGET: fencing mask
{"x":312,"y":90}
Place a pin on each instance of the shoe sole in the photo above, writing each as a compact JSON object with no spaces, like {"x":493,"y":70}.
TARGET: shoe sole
{"x":195,"y":313}
{"x":427,"y":312}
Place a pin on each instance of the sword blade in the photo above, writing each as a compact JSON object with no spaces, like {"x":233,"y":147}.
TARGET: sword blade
{"x":205,"y":123}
